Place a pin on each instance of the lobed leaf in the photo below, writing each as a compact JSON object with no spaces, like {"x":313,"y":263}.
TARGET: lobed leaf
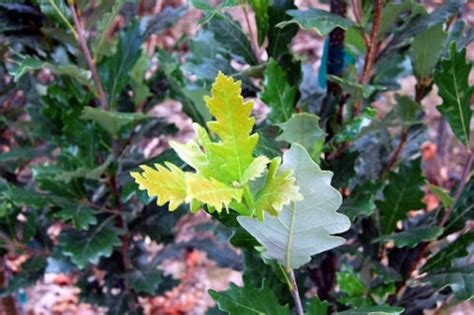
{"x":277,"y":93}
{"x":303,"y":228}
{"x":412,"y":237}
{"x":447,"y":254}
{"x":454,"y":89}
{"x":80,"y":216}
{"x":322,"y":21}
{"x":459,"y":279}
{"x":167,"y":183}
{"x":248,"y":300}
{"x":86,"y":247}
{"x":210,"y":191}
{"x":279,"y":190}
{"x":224,"y":168}
{"x":303,"y":128}
{"x":401,"y":195}
{"x":233,"y":153}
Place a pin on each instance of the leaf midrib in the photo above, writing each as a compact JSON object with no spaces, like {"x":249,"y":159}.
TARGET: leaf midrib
{"x":290,"y":235}
{"x":459,"y":105}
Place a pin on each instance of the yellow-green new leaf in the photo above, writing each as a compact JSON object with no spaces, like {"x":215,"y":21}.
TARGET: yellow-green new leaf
{"x":280,"y":190}
{"x":233,"y":153}
{"x":167,"y":183}
{"x":255,"y":169}
{"x":211,"y":192}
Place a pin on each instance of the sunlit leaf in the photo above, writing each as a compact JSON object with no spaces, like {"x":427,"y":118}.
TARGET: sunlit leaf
{"x":279,"y":190}
{"x":233,"y":125}
{"x":210,"y":191}
{"x":167,"y":183}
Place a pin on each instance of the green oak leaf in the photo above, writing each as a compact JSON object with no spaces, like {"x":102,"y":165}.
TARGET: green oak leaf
{"x":229,"y":33}
{"x":374,"y":310}
{"x":137,"y":79}
{"x":102,"y":45}
{"x":280,"y":38}
{"x":80,"y":216}
{"x":32,"y":271}
{"x":315,"y":306}
{"x":459,"y":279}
{"x":445,"y":257}
{"x":393,"y":12}
{"x":249,"y":300}
{"x":412,"y":237}
{"x":277,"y":93}
{"x":210,"y":9}
{"x":352,"y":288}
{"x":454,"y":89}
{"x":322,"y":21}
{"x":303,"y":128}
{"x":111,"y":121}
{"x":260,"y":7}
{"x":357,"y":91}
{"x":26,"y":64}
{"x":353,"y":129}
{"x":402,"y":194}
{"x":359,"y":203}
{"x":349,"y":283}
{"x":146,"y":281}
{"x":86,"y":247}
{"x":407,"y":109}
{"x":427,"y":47}
{"x":26,"y":197}
{"x":304,"y":227}
{"x":115,"y":69}
{"x":462,"y":211}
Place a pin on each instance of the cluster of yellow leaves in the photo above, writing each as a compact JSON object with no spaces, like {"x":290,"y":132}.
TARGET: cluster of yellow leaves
{"x":224,"y":168}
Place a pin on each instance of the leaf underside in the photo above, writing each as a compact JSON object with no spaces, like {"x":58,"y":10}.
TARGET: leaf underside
{"x":304,"y":227}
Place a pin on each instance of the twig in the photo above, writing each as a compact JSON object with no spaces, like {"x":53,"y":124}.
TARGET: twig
{"x":372,"y":49}
{"x":419,"y":94}
{"x":85,"y":50}
{"x":253,"y":39}
{"x":465,"y":175}
{"x":295,"y":293}
{"x":356,"y":11}
{"x":396,"y":153}
{"x":424,"y":246}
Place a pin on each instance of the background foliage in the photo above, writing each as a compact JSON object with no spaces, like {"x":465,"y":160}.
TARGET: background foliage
{"x":81,"y":83}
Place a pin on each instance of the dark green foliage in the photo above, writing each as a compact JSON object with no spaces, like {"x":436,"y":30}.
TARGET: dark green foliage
{"x":249,"y":300}
{"x":454,"y":89}
{"x":86,"y":247}
{"x":402,"y":194}
{"x":115,"y":70}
